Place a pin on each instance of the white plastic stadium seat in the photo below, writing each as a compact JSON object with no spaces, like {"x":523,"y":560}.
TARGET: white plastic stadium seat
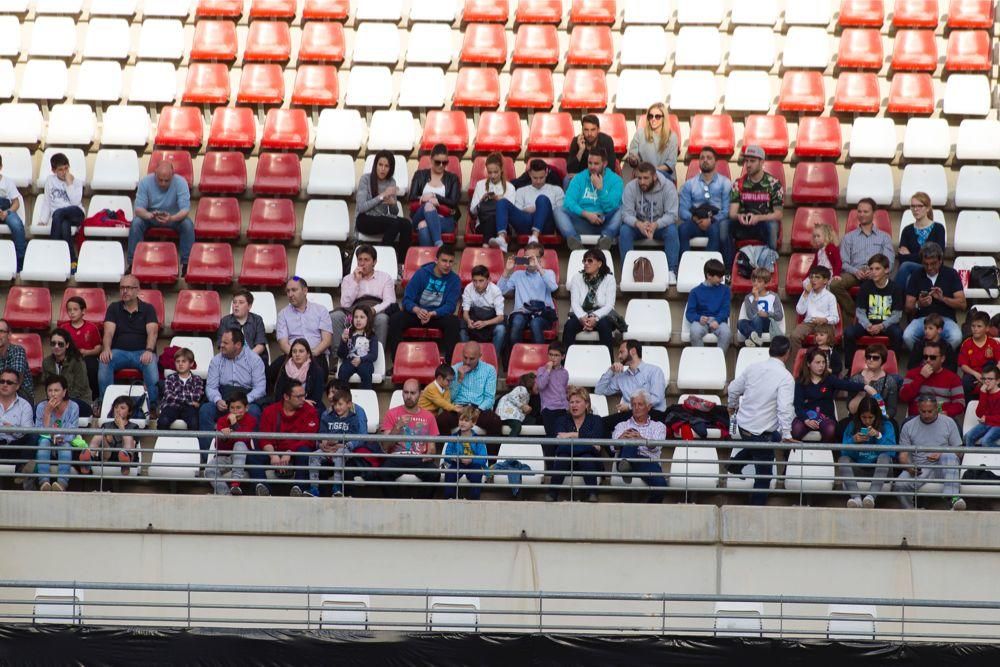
{"x":331,"y":174}
{"x":203,"y":348}
{"x":10,"y":36}
{"x":326,"y":220}
{"x":58,"y":605}
{"x":978,"y":140}
{"x":422,"y":88}
{"x":694,"y":468}
{"x":181,"y":463}
{"x":906,"y":219}
{"x":125,"y":125}
{"x":367,"y":399}
{"x":386,"y":261}
{"x":702,"y":369}
{"x":53,"y":37}
{"x":965,"y":263}
{"x":73,"y":7}
{"x":115,"y":7}
{"x":646,"y":12}
{"x":453,"y":614}
{"x":153,"y":83}
{"x":739,"y":619}
{"x":17,"y":165}
{"x":755,"y":12}
{"x":648,"y":320}
{"x":806,"y":48}
{"x":694,"y":90}
{"x":115,"y":169}
{"x":369,"y":86}
{"x":873,"y":139}
{"x":748,"y":92}
{"x":376,"y":44}
{"x":8,"y":260}
{"x":929,"y":178}
{"x":638,"y":88}
{"x":77,"y":164}
{"x":171,"y":8}
{"x":99,"y":81}
{"x":344,"y":612}
{"x":264,"y":305}
{"x":114,"y":391}
{"x":586,"y":364}
{"x":698,"y":47}
{"x":530,"y":454}
{"x":977,"y":231}
{"x":659,"y":261}
{"x":703,"y":12}
{"x":814,"y":12}
{"x":100,"y":262}
{"x":657,"y":355}
{"x":384,"y":10}
{"x":692,"y":270}
{"x":320,"y":265}
{"x":107,"y":38}
{"x":809,"y":470}
{"x":7,"y":80}
{"x":975,"y":460}
{"x":752,"y":47}
{"x":400,"y":172}
{"x":851,"y":622}
{"x":321,"y":298}
{"x":161,"y":39}
{"x":749,"y":356}
{"x":711,"y":433}
{"x":391,"y":131}
{"x":433,"y":10}
{"x":928,"y":139}
{"x":14,"y":6}
{"x":643,"y":46}
{"x":575,"y":263}
{"x":429,"y":44}
{"x":339,"y":130}
{"x":870,"y":180}
{"x":44,"y":80}
{"x":709,"y":339}
{"x":978,"y":187}
{"x":46,"y":261}
{"x":71,"y":125}
{"x":113,"y":203}
{"x":766,"y":338}
{"x":967,"y":95}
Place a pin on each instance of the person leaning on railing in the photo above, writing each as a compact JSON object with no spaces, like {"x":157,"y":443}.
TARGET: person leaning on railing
{"x":578,"y":424}
{"x":16,"y":448}
{"x":929,"y":434}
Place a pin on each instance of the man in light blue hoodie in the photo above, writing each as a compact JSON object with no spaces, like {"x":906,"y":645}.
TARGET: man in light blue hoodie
{"x":591,"y":204}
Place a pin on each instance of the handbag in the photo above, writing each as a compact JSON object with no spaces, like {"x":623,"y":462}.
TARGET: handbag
{"x":985,"y":278}
{"x":536,"y":308}
{"x":642,"y":270}
{"x":480,"y":313}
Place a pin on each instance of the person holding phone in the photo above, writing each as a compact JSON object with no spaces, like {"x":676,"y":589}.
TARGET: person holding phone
{"x":934,"y":288}
{"x":163,"y":201}
{"x":868,"y":427}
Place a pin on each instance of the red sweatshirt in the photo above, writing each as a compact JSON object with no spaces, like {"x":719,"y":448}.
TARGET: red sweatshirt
{"x":248,"y":424}
{"x":989,"y":408}
{"x":832,"y":253}
{"x":944,"y":385}
{"x":275,"y":420}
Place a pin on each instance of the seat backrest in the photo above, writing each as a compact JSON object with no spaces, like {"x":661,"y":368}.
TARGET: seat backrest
{"x":344,"y":612}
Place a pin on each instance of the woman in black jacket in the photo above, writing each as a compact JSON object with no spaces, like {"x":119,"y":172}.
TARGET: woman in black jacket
{"x":434,"y":195}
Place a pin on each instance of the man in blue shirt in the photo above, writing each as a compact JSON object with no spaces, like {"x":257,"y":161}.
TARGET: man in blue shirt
{"x":699,"y":197}
{"x":533,"y":288}
{"x":627,"y":376}
{"x":163,"y":201}
{"x":475,"y":384}
{"x":430,"y":301}
{"x":591,"y":204}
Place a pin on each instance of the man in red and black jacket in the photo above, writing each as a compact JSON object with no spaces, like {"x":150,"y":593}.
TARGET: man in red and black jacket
{"x":293,"y":414}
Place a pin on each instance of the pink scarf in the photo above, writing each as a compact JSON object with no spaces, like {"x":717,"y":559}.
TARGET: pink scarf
{"x":295,"y":372}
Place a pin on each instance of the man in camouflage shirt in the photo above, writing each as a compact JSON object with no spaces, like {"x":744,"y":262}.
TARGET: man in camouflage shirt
{"x":754,"y":207}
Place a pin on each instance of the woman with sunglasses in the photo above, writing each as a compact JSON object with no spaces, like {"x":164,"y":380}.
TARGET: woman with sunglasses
{"x":874,"y":375}
{"x":65,"y":360}
{"x":913,"y":237}
{"x":377,"y":207}
{"x":434,"y":195}
{"x":592,"y":301}
{"x":655,"y":144}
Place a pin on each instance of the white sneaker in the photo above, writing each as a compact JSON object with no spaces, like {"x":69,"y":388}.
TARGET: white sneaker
{"x":262,"y":490}
{"x":499,"y":242}
{"x":756,"y":338}
{"x":868,"y":502}
{"x":957,"y":505}
{"x":854,"y":502}
{"x":296,"y":491}
{"x":671,"y":278}
{"x":533,"y":239}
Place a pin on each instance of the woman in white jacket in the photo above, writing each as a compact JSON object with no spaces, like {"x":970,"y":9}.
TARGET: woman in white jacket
{"x":592,"y":301}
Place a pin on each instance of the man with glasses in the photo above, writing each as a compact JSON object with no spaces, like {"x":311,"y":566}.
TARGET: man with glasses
{"x":878,"y":308}
{"x":302,"y":318}
{"x":929,"y":435}
{"x":754,"y":206}
{"x":13,"y":357}
{"x":580,"y":147}
{"x":16,"y":411}
{"x":649,"y":213}
{"x":857,"y":249}
{"x":934,"y":288}
{"x":286,"y":458}
{"x":932,"y":379}
{"x":130,"y":333}
{"x":704,"y":204}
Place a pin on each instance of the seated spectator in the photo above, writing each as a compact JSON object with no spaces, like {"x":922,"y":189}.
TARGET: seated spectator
{"x":531,"y":212}
{"x":16,"y":448}
{"x":302,"y":318}
{"x":987,"y":431}
{"x":934,"y":288}
{"x":592,"y":301}
{"x":628,"y":375}
{"x":65,"y":360}
{"x":874,"y":375}
{"x":230,"y":455}
{"x":581,"y":146}
{"x":913,"y":238}
{"x":642,"y":459}
{"x":366,"y":287}
{"x":878,"y":310}
{"x":466,"y":457}
{"x":475,"y":384}
{"x":486,"y":197}
{"x":436,"y":396}
{"x":933,"y":333}
{"x":592,"y":204}
{"x":366,"y":455}
{"x":434,"y":196}
{"x":482,"y":311}
{"x":58,"y":412}
{"x":407,"y":457}
{"x":815,"y":391}
{"x":930,"y":434}
{"x":64,"y":199}
{"x":858,"y":249}
{"x":934,"y":380}
{"x":578,"y":423}
{"x":358,"y":350}
{"x":755,"y":207}
{"x":122,"y":447}
{"x":867,"y":427}
{"x":234,"y":368}
{"x":288,"y":459}
{"x":824,"y":243}
{"x":340,"y":420}
{"x":977,"y":350}
{"x":761,"y":310}
{"x":182,"y":393}
{"x":824,"y":336}
{"x":250,"y":323}
{"x":514,"y":407}
{"x":429,"y":301}
{"x":703,"y":204}
{"x":13,"y":357}
{"x":552,"y":383}
{"x":708,"y":305}
{"x":656,"y":144}
{"x":649,"y":213}
{"x":130,"y":333}
{"x":163,"y":201}
{"x":86,"y":337}
{"x":299,"y":365}
{"x":376,"y":211}
{"x":532,"y":288}
{"x":816,"y":306}
{"x":10,"y":203}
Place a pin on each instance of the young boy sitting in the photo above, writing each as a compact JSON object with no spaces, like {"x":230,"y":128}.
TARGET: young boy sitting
{"x":482,"y":310}
{"x":465,"y":457}
{"x":231,"y":453}
{"x":987,"y":431}
{"x":933,"y":333}
{"x":436,"y":396}
{"x":761,"y":310}
{"x":817,"y":305}
{"x":64,"y":196}
{"x":708,"y":307}
{"x":182,"y":393}
{"x":339,"y":420}
{"x":977,"y":350}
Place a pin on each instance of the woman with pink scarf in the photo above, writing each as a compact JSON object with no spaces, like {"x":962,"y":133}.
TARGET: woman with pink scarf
{"x":300,"y":365}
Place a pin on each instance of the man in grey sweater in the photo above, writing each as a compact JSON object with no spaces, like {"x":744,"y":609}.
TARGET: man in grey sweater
{"x":649,"y":212}
{"x":929,"y":433}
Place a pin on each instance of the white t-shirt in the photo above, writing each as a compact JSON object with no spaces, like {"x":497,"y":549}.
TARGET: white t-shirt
{"x":8,"y":190}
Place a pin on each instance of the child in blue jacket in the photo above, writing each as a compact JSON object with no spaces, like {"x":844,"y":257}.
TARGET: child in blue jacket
{"x":466,"y":457}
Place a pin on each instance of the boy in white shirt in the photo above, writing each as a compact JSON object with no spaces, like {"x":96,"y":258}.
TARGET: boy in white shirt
{"x":478,"y":298}
{"x":64,"y":196}
{"x":10,"y":204}
{"x":817,"y":305}
{"x":531,"y":211}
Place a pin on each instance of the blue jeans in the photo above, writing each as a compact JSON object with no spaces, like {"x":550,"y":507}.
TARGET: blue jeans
{"x":905,"y":269}
{"x":454,"y":471}
{"x":766,"y":232}
{"x":520,"y":320}
{"x":540,"y":220}
{"x":121,"y":359}
{"x":571,"y":225}
{"x":689,"y":230}
{"x":300,"y":460}
{"x":430,"y":233}
{"x":63,"y":221}
{"x":627,"y":236}
{"x":184,"y":228}
{"x":64,"y":453}
{"x":654,"y":471}
{"x":761,"y":325}
{"x":208,"y":417}
{"x":499,"y":335}
{"x":981,"y":434}
{"x":952,"y":333}
{"x":365,"y":370}
{"x":16,"y":226}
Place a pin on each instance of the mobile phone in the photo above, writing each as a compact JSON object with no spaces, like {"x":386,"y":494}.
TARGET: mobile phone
{"x":924,"y":293}
{"x":864,"y":431}
{"x":521,"y":261}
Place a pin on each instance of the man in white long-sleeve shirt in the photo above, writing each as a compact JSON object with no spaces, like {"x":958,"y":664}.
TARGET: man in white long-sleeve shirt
{"x":761,"y":397}
{"x":817,"y":305}
{"x":531,"y":212}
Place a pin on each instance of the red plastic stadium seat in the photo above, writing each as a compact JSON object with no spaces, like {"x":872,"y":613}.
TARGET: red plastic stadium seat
{"x":499,"y":131}
{"x":550,"y":132}
{"x":915,"y":14}
{"x":417,"y":361}
{"x":181,"y":161}
{"x":742,"y":286}
{"x":416,"y":256}
{"x":584,"y":89}
{"x":914,"y":51}
{"x":861,"y":13}
{"x":486,"y":11}
{"x":591,"y":45}
{"x":484,"y":43}
{"x":798,"y":265}
{"x":272,"y":220}
{"x":218,"y":218}
{"x":491,"y":258}
{"x":802,"y":91}
{"x":32,"y":344}
{"x":557,"y":165}
{"x":815,"y":183}
{"x":694,"y":168}
{"x":857,"y":92}
{"x":28,"y":307}
{"x":272,"y":9}
{"x":911,"y":93}
{"x":210,"y":264}
{"x":818,"y":136}
{"x":478,"y":173}
{"x":525,"y":358}
{"x":285,"y":130}
{"x":539,"y":11}
{"x":969,"y":51}
{"x":971,"y":14}
{"x":477,"y":88}
{"x":261,"y":83}
{"x":593,"y":11}
{"x":97,"y":304}
{"x":531,"y":88}
{"x":613,"y":125}
{"x":489,"y":354}
{"x":156,"y":262}
{"x":860,"y":48}
{"x":230,"y":9}
{"x":223,"y":173}
{"x":881,"y":221}
{"x":807,"y":217}
{"x":450,"y":128}
{"x":264,"y":265}
{"x":454,"y":166}
{"x":277,"y":174}
{"x":536,"y":45}
{"x":197,"y":311}
{"x":768,"y":132}
{"x":268,"y":41}
{"x":154,"y":297}
{"x":858,"y":363}
{"x":233,"y":127}
{"x":716,"y":131}
{"x":207,"y":83}
{"x":180,"y":126}
{"x":316,"y":86}
{"x":214,"y":40}
{"x":326,"y":10}
{"x":322,"y":42}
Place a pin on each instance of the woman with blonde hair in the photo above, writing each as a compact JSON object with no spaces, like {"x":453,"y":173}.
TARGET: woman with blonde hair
{"x":913,"y":237}
{"x":655,"y":144}
{"x":579,"y":424}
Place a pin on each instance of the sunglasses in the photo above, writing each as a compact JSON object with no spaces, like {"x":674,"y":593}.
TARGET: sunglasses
{"x":441,"y":163}
{"x":873,"y":357}
{"x":654,"y":116}
{"x":57,"y":343}
{"x":8,"y":382}
{"x":930,"y":357}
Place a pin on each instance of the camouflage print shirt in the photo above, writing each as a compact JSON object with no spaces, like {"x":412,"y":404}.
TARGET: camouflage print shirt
{"x":760,"y":198}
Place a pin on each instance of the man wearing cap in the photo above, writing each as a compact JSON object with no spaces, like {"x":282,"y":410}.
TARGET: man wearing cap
{"x":754,"y":206}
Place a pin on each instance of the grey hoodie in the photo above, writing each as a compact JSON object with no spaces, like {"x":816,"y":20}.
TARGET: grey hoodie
{"x":658,"y":205}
